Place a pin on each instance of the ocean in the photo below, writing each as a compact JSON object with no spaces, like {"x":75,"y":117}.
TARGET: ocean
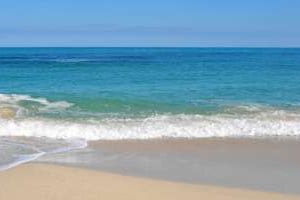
{"x":58,"y":99}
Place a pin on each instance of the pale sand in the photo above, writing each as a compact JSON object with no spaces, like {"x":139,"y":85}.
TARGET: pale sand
{"x":50,"y":182}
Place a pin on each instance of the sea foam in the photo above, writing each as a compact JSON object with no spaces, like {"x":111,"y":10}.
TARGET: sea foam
{"x":174,"y":126}
{"x":236,"y":121}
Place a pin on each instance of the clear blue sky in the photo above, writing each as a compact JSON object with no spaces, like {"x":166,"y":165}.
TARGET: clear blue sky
{"x":264,"y":23}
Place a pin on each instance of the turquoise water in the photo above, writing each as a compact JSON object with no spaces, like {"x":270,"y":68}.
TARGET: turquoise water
{"x":153,"y":80}
{"x":141,"y":93}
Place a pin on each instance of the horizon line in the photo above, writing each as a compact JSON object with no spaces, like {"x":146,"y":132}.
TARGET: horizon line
{"x":263,"y":47}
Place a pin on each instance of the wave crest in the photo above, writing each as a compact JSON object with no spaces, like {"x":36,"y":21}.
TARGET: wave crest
{"x":234,"y":121}
{"x":12,"y":102}
{"x":173,"y":126}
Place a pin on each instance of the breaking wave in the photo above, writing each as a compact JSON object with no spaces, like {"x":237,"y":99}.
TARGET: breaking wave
{"x":235,"y":121}
{"x":173,"y":126}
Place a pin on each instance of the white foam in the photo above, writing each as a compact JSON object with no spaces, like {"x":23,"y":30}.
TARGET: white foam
{"x":186,"y":126}
{"x":236,"y":121}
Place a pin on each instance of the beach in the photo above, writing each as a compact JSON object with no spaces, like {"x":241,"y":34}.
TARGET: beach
{"x":211,"y":168}
{"x":270,"y":165}
{"x":49,"y":182}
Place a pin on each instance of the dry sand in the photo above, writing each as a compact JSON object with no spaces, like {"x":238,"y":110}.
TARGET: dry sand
{"x":51,"y":182}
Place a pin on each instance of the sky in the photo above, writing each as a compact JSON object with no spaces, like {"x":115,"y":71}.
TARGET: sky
{"x":155,"y":23}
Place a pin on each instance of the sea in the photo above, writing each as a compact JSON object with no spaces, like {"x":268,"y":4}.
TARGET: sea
{"x":58,"y":99}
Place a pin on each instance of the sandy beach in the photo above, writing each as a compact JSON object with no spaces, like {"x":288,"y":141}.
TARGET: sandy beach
{"x":50,"y":182}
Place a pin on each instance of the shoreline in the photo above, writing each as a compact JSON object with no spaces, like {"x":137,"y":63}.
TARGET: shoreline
{"x":258,"y":164}
{"x":43,"y":181}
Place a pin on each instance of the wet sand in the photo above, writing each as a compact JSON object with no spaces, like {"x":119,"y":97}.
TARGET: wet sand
{"x":271,"y":165}
{"x":49,"y":182}
{"x":7,"y":113}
